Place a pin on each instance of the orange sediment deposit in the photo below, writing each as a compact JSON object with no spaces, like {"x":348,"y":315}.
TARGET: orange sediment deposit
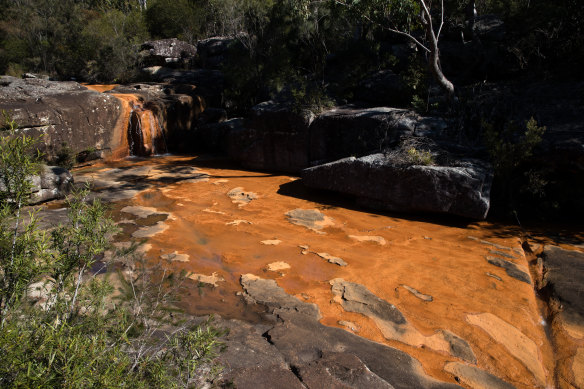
{"x":433,"y":272}
{"x":99,"y":87}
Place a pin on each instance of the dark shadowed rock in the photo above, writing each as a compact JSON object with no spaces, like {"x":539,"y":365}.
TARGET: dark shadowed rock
{"x":61,"y":113}
{"x":208,"y":83}
{"x":276,"y":138}
{"x":377,"y":182}
{"x":348,"y":131}
{"x":510,"y":268}
{"x":384,"y":88}
{"x":167,"y":52}
{"x":220,"y":137}
{"x":213,"y":51}
{"x":564,"y":275}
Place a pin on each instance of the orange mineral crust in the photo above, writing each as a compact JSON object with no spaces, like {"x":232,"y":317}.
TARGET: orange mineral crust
{"x":463,"y":289}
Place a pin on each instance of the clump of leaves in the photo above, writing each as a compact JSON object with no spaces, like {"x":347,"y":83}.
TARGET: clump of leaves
{"x":511,"y":148}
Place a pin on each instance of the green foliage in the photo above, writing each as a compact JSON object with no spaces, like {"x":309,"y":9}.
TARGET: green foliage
{"x":507,"y":150}
{"x":60,"y":326}
{"x":310,"y":96}
{"x":511,"y":149}
{"x":182,"y":19}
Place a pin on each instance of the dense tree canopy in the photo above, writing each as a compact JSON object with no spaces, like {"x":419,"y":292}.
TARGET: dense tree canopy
{"x":98,"y":40}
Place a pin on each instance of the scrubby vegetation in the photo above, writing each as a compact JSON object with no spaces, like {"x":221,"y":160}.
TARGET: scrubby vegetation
{"x":62,"y":321}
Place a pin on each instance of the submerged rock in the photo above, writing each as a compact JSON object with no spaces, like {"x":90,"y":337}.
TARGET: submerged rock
{"x":392,"y":323}
{"x":377,"y":182}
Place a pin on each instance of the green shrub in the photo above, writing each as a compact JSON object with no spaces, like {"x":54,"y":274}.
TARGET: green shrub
{"x":60,"y":325}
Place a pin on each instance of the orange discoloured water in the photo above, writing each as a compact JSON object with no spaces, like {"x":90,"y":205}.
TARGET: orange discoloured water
{"x":138,"y":131}
{"x":100,"y":88}
{"x":388,"y":254}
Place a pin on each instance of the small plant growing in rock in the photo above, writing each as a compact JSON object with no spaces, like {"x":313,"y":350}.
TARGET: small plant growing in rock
{"x":420,"y":157}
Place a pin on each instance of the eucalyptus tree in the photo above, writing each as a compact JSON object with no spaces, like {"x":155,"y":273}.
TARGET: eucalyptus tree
{"x":403,"y":17}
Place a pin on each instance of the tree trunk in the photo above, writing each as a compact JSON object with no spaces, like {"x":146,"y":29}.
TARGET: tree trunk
{"x":438,"y":75}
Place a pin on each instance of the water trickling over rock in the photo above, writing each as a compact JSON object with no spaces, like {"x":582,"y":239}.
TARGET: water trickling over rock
{"x":141,"y":131}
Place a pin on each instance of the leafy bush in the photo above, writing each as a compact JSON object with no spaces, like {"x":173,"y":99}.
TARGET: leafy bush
{"x":60,"y":325}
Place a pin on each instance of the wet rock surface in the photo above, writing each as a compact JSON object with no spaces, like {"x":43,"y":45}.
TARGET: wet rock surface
{"x":379,"y":183}
{"x":563,"y":284}
{"x":356,"y":298}
{"x":510,"y":268}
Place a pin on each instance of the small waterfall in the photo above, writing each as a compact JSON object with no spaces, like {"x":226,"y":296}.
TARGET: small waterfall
{"x":144,"y":133}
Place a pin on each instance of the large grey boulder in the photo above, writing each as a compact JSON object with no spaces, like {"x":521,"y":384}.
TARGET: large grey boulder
{"x":379,"y":182}
{"x":350,"y":131}
{"x":53,"y":182}
{"x":58,"y":113}
{"x":167,"y":52}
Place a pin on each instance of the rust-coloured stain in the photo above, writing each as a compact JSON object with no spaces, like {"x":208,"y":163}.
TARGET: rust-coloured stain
{"x":434,"y":271}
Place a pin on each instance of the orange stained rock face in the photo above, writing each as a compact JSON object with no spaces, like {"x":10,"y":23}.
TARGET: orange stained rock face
{"x":137,"y":131}
{"x":433,"y":270}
